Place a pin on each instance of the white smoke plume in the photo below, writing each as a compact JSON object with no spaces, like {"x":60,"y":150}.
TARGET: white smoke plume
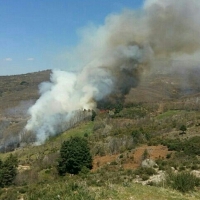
{"x":113,"y":57}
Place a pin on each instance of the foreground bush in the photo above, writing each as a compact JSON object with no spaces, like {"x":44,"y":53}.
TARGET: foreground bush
{"x":184,"y":181}
{"x":74,"y":155}
{"x":145,"y":172}
{"x":60,"y":190}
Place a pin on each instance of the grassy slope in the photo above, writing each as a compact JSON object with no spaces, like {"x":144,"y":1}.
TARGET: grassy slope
{"x":71,"y":188}
{"x":52,"y":145}
{"x":43,"y":182}
{"x":50,"y":186}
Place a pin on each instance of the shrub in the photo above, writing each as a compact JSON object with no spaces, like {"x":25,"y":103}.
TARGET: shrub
{"x":84,"y":171}
{"x":70,"y":190}
{"x":137,"y":136}
{"x":183,"y":129}
{"x":11,"y":194}
{"x":192,"y":146}
{"x":121,"y":156}
{"x":145,"y":154}
{"x":85,"y":134}
{"x":150,"y":171}
{"x":145,"y":170}
{"x":113,"y":163}
{"x":189,"y":147}
{"x":74,"y":155}
{"x":161,"y":163}
{"x":23,"y":83}
{"x":194,"y":167}
{"x":168,"y":155}
{"x":183,"y":181}
{"x":145,"y":177}
{"x":173,"y":145}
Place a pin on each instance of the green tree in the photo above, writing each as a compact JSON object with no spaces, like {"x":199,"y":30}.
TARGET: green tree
{"x":74,"y":155}
{"x":183,"y":129}
{"x":8,"y":170}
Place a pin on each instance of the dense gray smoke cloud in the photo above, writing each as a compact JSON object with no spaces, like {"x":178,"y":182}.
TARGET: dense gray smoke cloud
{"x":113,"y":58}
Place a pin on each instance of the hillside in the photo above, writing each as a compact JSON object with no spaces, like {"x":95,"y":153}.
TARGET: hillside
{"x":17,"y":94}
{"x":20,"y":88}
{"x":149,"y":121}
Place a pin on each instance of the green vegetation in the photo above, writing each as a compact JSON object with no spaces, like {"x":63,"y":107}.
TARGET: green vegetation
{"x":76,"y":189}
{"x":117,"y":136}
{"x":145,"y":172}
{"x":132,"y":112}
{"x":8,"y":170}
{"x":183,"y":181}
{"x":24,"y":83}
{"x":113,"y":138}
{"x":78,"y":131}
{"x":189,"y":146}
{"x":74,"y":155}
{"x":183,"y":129}
{"x":169,"y":113}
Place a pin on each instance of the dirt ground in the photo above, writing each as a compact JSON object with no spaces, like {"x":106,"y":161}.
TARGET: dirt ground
{"x":133,"y":159}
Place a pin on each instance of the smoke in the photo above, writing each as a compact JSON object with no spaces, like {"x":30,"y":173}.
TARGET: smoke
{"x":19,"y":111}
{"x":113,"y":57}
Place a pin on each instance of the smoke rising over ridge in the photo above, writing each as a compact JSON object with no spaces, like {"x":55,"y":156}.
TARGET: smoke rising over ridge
{"x":113,"y":58}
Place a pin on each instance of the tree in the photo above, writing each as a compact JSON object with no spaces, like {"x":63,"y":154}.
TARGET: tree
{"x":183,"y":129}
{"x":74,"y":155}
{"x":8,"y":170}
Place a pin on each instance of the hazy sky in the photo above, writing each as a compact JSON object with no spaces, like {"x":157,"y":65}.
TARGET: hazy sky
{"x":34,"y":34}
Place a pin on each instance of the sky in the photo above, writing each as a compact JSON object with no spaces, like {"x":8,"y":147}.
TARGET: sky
{"x":35,"y":33}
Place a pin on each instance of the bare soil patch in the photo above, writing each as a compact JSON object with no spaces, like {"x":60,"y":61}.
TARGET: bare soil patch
{"x":133,"y":159}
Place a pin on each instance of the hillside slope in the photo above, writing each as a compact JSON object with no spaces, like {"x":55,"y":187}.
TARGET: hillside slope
{"x":149,"y":121}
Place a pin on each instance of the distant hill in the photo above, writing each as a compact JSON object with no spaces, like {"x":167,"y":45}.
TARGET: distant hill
{"x":17,"y":94}
{"x":17,"y":88}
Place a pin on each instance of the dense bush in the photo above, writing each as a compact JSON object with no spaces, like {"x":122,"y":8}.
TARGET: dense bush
{"x":138,"y":136}
{"x":190,"y":146}
{"x":184,"y":181}
{"x":173,"y":144}
{"x":74,"y":155}
{"x":183,"y":129}
{"x":161,"y":164}
{"x":145,"y":170}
